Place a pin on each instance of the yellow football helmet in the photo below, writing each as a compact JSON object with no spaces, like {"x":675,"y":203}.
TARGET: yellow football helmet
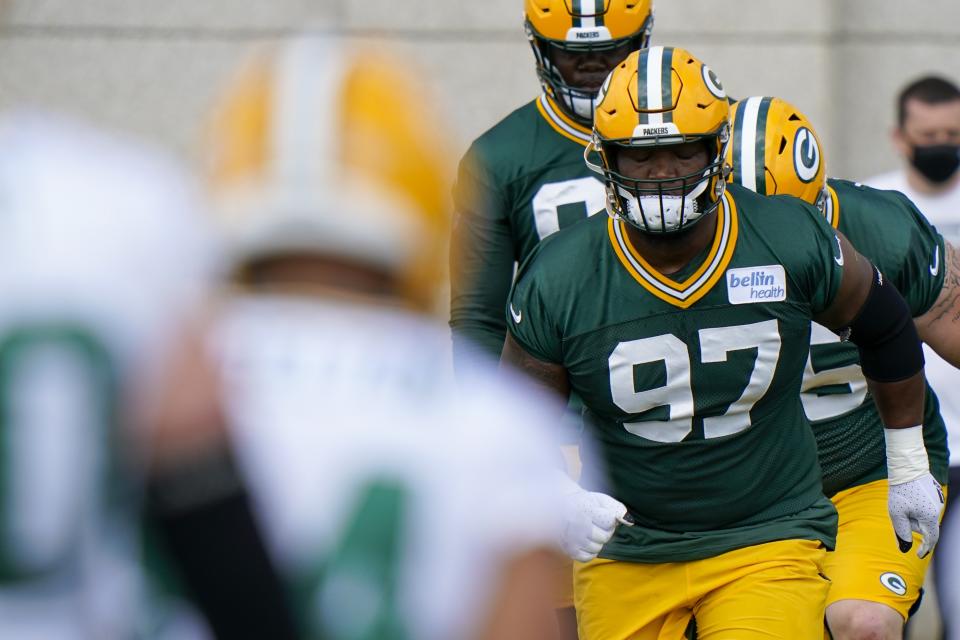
{"x":658,"y":97}
{"x":776,"y":150}
{"x":320,"y":150}
{"x":582,"y":26}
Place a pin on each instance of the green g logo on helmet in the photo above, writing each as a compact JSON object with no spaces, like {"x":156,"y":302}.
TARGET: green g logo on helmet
{"x":806,"y":154}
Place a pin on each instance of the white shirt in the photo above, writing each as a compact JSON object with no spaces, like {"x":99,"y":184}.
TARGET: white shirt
{"x":328,"y":399}
{"x":943,"y":210}
{"x":102,"y":251}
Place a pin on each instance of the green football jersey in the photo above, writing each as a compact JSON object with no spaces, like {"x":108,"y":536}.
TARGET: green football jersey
{"x":519,"y":182}
{"x":889,"y":230}
{"x":692,"y":383}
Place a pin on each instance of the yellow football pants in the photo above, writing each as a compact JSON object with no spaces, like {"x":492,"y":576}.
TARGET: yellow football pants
{"x":773,"y":590}
{"x":868,"y":564}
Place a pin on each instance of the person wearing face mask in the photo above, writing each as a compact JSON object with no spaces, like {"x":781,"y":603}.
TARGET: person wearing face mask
{"x":928,"y":137}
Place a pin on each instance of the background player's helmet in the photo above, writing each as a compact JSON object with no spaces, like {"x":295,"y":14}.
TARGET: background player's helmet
{"x":658,"y":97}
{"x":318,"y":150}
{"x":775,"y":150}
{"x":579,"y":26}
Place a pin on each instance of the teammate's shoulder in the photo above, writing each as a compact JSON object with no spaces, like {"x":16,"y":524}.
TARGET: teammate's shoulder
{"x":585,"y":233}
{"x":857,"y":189}
{"x":519,"y":124}
{"x":769,"y":210}
{"x":878,"y":205}
{"x":563,"y":252}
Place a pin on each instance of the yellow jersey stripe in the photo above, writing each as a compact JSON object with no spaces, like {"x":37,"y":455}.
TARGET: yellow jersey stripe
{"x":673,"y":284}
{"x":560,"y":123}
{"x":697,"y":286}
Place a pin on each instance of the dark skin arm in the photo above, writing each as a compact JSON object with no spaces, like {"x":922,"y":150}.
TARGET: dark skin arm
{"x":546,"y":375}
{"x":900,"y":404}
{"x":940,"y":326}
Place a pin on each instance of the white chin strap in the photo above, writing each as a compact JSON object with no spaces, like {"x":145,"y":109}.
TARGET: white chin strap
{"x":583,"y":107}
{"x":663,"y":214}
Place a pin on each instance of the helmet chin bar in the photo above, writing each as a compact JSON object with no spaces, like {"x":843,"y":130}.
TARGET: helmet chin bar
{"x":662,"y":210}
{"x":663,"y":213}
{"x":653,"y":208}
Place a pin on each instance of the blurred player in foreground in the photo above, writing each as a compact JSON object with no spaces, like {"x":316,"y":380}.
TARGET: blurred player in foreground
{"x":102,"y":254}
{"x":398,"y":504}
{"x":874,"y":586}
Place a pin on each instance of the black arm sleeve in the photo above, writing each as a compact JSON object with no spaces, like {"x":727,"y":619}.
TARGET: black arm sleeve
{"x":884,"y":333}
{"x":204,"y":519}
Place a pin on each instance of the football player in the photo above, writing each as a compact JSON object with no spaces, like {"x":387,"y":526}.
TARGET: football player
{"x":682,"y":319}
{"x":776,"y":150}
{"x":103,"y":253}
{"x":398,"y":504}
{"x":524,"y":178}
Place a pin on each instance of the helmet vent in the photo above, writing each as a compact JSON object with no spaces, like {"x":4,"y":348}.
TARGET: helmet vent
{"x":793,"y":117}
{"x":783,"y":144}
{"x":702,"y":106}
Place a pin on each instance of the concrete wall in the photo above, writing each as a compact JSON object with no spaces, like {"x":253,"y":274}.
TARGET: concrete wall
{"x":153,"y":68}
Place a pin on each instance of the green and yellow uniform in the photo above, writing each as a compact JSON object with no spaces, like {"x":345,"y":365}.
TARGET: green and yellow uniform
{"x":889,"y":230}
{"x":519,"y":182}
{"x":692,"y":385}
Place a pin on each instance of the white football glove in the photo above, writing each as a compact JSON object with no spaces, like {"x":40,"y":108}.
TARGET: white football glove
{"x":589,"y":520}
{"x":916,"y":506}
{"x":915,"y":499}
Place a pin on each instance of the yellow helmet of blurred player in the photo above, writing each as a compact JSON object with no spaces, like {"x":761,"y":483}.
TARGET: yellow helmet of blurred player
{"x":659,"y":97}
{"x":317,"y":150}
{"x":775,"y":150}
{"x":582,"y":26}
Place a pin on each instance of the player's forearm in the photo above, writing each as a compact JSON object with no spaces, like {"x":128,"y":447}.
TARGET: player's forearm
{"x":940,"y":326}
{"x":900,"y":404}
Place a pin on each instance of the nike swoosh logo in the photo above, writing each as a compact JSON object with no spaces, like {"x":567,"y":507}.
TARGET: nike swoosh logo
{"x":517,"y":316}
{"x":935,"y":267}
{"x":838,"y":260}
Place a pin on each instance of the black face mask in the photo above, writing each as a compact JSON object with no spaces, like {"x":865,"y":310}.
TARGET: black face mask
{"x":936,"y":162}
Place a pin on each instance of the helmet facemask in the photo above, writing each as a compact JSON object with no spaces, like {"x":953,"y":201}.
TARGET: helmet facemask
{"x":577,"y":102}
{"x":663,"y":205}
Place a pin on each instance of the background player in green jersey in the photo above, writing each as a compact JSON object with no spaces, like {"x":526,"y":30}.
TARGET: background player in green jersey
{"x":775,"y":150}
{"x":683,"y":321}
{"x":524,"y":178}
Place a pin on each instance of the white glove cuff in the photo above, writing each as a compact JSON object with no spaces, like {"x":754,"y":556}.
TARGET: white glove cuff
{"x":906,"y":454}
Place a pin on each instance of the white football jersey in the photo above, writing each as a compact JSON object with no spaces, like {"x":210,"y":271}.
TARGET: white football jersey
{"x":391,"y":495}
{"x":102,"y":251}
